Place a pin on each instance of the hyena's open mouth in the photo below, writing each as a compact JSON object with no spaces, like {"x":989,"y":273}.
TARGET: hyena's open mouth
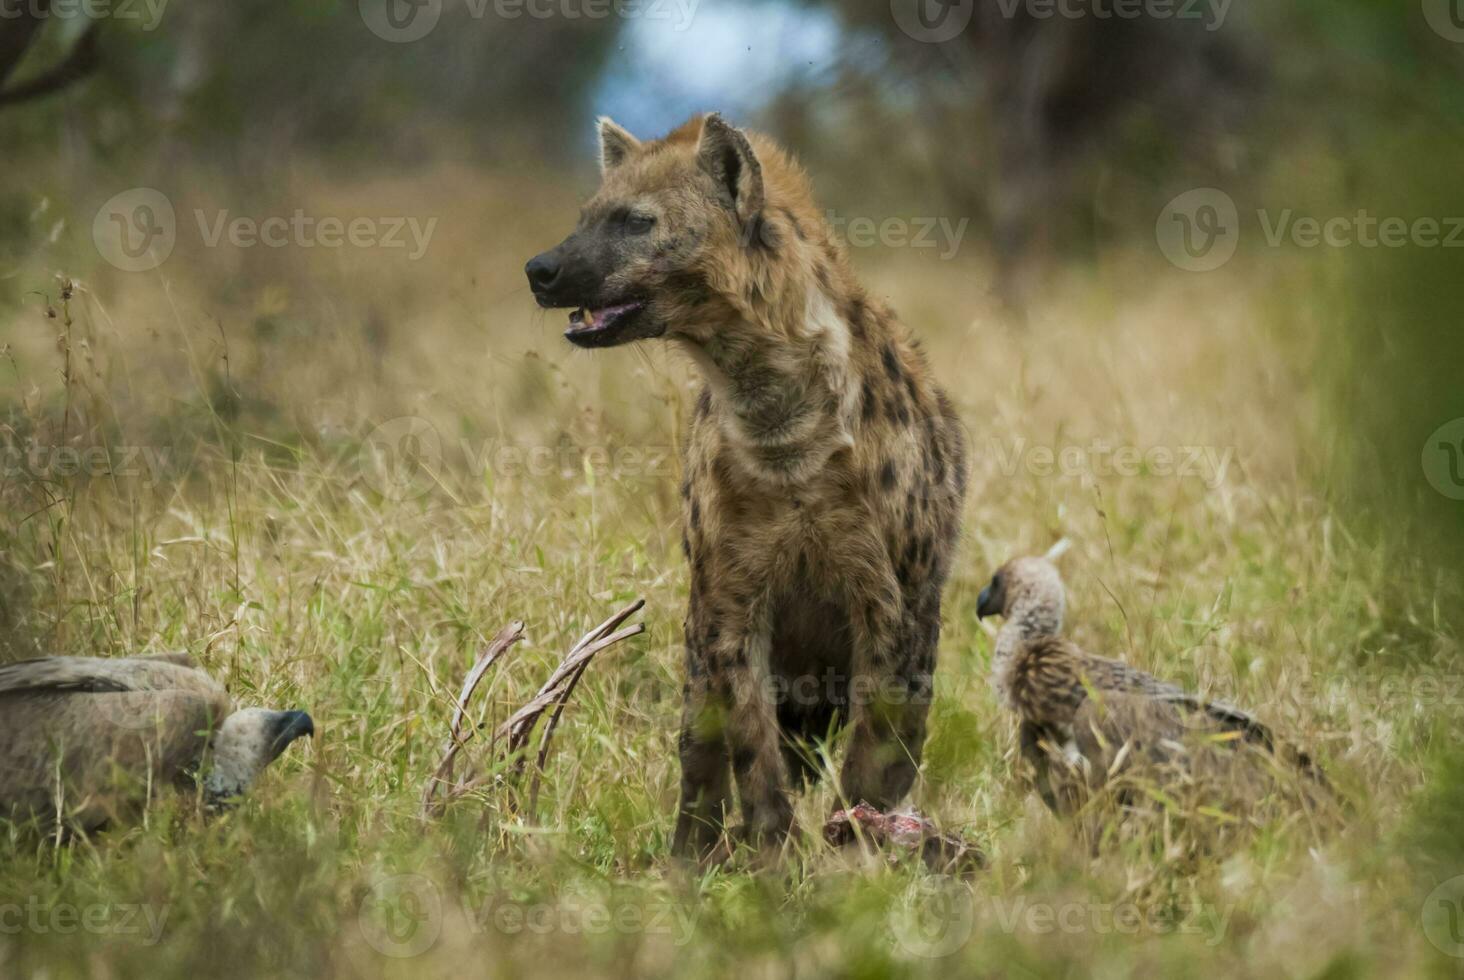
{"x":608,"y":325}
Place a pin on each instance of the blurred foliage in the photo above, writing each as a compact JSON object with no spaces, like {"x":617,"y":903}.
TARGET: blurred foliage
{"x":1058,"y":138}
{"x":252,"y":82}
{"x":1057,"y":135}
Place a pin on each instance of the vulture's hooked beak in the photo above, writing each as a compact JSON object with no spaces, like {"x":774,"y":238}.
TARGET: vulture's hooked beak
{"x":290,"y":725}
{"x":984,"y":606}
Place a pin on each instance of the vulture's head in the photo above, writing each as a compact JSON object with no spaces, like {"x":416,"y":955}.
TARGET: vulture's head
{"x":247,"y":741}
{"x":1027,"y":588}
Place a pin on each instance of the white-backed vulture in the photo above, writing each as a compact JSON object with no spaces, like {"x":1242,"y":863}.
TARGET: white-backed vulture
{"x":87,"y":740}
{"x":1083,"y":719}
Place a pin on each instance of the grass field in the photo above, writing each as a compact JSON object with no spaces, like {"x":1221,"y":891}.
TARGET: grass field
{"x":1169,"y":423}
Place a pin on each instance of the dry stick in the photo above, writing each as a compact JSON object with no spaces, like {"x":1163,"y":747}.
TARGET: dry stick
{"x":553,"y":722}
{"x":518,"y":727}
{"x":555,"y":691}
{"x":598,"y":633}
{"x":549,"y":728}
{"x":571,"y":662}
{"x":568,"y":692}
{"x":499,"y":645}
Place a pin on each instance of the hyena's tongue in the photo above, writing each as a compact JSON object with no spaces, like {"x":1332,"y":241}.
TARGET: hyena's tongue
{"x":587,"y":319}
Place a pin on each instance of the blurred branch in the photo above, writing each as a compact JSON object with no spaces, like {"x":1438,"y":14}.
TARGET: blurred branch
{"x":79,"y":63}
{"x":16,"y":40}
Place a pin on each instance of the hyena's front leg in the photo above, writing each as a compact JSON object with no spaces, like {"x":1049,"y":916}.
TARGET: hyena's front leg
{"x":705,"y":783}
{"x":889,"y":699}
{"x":740,"y":656}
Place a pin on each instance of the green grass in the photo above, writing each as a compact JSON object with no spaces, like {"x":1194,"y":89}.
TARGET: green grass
{"x":263,"y":547}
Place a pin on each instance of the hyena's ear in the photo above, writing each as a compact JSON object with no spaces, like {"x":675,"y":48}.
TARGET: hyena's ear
{"x":616,"y":145}
{"x":725,"y":153}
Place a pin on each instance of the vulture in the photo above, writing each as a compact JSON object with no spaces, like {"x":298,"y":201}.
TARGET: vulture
{"x":1083,"y":719}
{"x":85,"y":741}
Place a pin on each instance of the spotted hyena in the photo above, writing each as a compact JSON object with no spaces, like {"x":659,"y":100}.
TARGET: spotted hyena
{"x":824,"y":472}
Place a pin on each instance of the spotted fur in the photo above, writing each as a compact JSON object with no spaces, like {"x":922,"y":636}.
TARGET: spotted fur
{"x":824,"y":476}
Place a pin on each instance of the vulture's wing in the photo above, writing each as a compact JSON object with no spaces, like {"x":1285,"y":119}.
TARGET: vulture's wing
{"x":1115,"y":677}
{"x":163,"y":672}
{"x":1159,"y":716}
{"x":1227,"y":717}
{"x":83,"y":738}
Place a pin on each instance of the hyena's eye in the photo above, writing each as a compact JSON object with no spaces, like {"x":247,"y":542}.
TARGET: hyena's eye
{"x":639,"y":224}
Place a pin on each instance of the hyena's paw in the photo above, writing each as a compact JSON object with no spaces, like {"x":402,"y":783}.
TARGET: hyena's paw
{"x":767,"y":843}
{"x":699,"y":842}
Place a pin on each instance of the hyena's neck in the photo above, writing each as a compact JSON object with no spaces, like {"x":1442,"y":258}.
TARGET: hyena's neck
{"x":783,"y":392}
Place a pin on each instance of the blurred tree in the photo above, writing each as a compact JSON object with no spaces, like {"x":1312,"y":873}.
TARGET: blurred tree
{"x":19,"y":32}
{"x":251,"y":82}
{"x":1032,"y":110}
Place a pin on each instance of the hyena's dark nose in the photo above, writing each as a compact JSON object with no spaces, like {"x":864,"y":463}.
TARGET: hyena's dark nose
{"x":543,"y":271}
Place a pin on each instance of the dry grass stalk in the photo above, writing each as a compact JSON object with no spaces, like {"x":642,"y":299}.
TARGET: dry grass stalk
{"x":496,"y":648}
{"x":554,"y":694}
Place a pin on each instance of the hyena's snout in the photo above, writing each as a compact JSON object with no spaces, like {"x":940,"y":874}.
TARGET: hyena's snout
{"x":566,"y":276}
{"x":543,"y":271}
{"x":573,"y":275}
